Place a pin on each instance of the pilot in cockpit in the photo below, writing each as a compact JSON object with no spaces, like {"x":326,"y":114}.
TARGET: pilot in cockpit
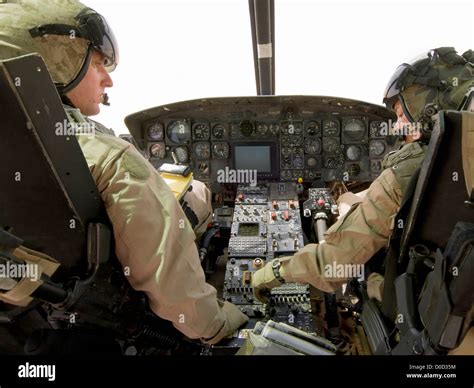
{"x":152,"y":234}
{"x":440,"y":80}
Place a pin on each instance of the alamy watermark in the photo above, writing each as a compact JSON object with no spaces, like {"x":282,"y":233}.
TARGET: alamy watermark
{"x":68,"y":128}
{"x":30,"y":371}
{"x":394,"y":128}
{"x":344,"y":271}
{"x":228,"y":175}
{"x":15,"y":271}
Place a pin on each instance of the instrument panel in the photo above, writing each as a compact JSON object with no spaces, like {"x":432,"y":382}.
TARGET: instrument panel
{"x":284,"y":139}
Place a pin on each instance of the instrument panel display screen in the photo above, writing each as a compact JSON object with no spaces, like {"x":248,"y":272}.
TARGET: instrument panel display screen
{"x":253,"y":157}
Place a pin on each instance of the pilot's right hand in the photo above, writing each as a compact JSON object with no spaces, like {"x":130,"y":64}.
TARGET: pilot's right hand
{"x":263,"y":281}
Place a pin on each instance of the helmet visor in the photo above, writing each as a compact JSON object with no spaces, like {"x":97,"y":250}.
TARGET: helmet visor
{"x":405,"y":74}
{"x":394,"y":85}
{"x":94,"y":27}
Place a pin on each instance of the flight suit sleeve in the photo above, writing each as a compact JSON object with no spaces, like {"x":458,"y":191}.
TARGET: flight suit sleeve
{"x":155,"y":245}
{"x":353,"y":239}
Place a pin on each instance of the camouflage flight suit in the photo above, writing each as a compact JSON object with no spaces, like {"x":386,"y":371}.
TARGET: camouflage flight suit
{"x":154,"y":241}
{"x":363,"y":230}
{"x":199,"y":199}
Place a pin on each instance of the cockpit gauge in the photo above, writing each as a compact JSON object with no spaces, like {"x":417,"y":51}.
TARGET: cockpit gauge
{"x":286,"y":175}
{"x":179,"y":131}
{"x":182,"y":154}
{"x":247,"y":128}
{"x":378,"y":129}
{"x":376,"y":148}
{"x":354,"y":170}
{"x":312,"y":128}
{"x":312,"y":146}
{"x":262,"y":129}
{"x":202,"y":150}
{"x":298,"y":151}
{"x":274,"y":129}
{"x":298,"y":128}
{"x":353,"y":130}
{"x":154,"y":131}
{"x":292,"y":128}
{"x":298,"y":162}
{"x":330,"y":163}
{"x":331,"y":127}
{"x":220,"y":150}
{"x":219,"y":131}
{"x":330,"y":145}
{"x":201,"y":131}
{"x":375,"y":166}
{"x":312,"y":162}
{"x":354,"y":153}
{"x":286,"y":162}
{"x":286,"y":151}
{"x":157,"y":150}
{"x":203,"y":167}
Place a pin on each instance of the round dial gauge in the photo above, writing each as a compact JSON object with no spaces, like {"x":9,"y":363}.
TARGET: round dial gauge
{"x":298,"y":151}
{"x":312,"y":128}
{"x":202,"y":150}
{"x":375,"y":165}
{"x":354,"y":130}
{"x":286,"y":162}
{"x":298,"y":162}
{"x":247,"y":128}
{"x":285,"y":151}
{"x":293,"y":128}
{"x":330,"y":145}
{"x":298,"y":128}
{"x":312,"y":146}
{"x":201,"y":131}
{"x":377,"y":148}
{"x":274,"y":129}
{"x":378,"y":129}
{"x":297,"y":141}
{"x":330,"y":163}
{"x":354,"y":170}
{"x":155,"y":131}
{"x":312,"y":162}
{"x":182,"y":154}
{"x":354,"y":152}
{"x":286,"y":175}
{"x":158,"y":150}
{"x":220,"y":150}
{"x":285,"y":140}
{"x":179,"y":131}
{"x":331,"y":127}
{"x":219,"y":131}
{"x":203,"y":167}
{"x":262,"y":129}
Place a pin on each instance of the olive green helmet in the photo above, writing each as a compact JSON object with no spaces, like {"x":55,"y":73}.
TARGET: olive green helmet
{"x":63,"y":32}
{"x":438,"y":80}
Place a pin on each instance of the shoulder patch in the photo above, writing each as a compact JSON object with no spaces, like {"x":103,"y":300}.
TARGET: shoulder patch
{"x":135,"y":165}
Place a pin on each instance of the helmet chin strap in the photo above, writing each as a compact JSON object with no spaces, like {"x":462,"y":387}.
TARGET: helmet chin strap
{"x":66,"y":100}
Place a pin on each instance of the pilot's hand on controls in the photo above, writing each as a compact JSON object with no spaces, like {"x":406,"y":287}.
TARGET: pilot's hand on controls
{"x":264,"y":280}
{"x":234,"y":317}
